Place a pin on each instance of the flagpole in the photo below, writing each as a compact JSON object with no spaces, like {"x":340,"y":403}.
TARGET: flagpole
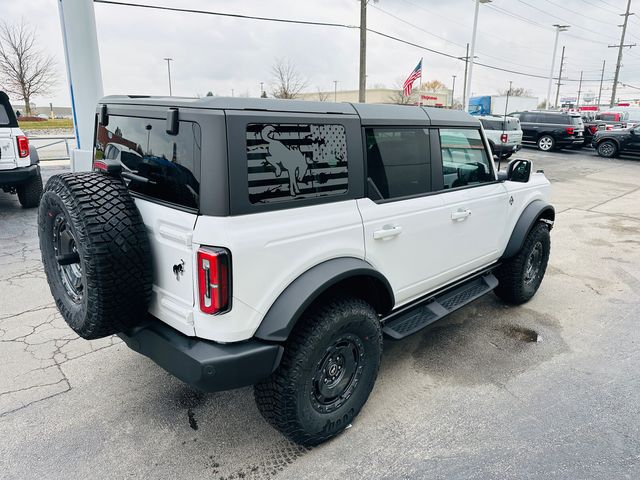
{"x":420,"y":87}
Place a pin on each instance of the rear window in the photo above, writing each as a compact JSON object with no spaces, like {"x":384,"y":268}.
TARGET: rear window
{"x":576,"y":120}
{"x":4,"y":117}
{"x":509,"y":125}
{"x":164,"y":167}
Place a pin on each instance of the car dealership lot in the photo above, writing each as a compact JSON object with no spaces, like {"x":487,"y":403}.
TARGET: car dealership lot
{"x":547,"y":390}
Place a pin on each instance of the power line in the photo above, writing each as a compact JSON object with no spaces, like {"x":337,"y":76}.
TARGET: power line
{"x":501,"y":59}
{"x":578,"y":13}
{"x":221,"y":14}
{"x":325,"y":24}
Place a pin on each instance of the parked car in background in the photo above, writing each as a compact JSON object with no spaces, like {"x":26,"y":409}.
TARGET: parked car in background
{"x":503,"y":133}
{"x":615,"y":120}
{"x":19,"y":164}
{"x":611,"y":143}
{"x":551,"y":130}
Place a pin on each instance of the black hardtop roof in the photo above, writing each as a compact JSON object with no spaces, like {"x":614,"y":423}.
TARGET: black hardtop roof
{"x":369,"y":113}
{"x":4,"y":101}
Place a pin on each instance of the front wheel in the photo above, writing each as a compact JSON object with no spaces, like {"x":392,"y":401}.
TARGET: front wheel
{"x":546,"y":143}
{"x":328,"y":369}
{"x":607,"y":149}
{"x":520,"y":276}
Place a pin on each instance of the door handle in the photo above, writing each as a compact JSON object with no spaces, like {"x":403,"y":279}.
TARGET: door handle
{"x":387,"y":231}
{"x":460,"y":214}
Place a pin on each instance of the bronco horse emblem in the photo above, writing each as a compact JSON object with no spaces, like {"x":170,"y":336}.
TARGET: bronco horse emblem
{"x":283,"y":158}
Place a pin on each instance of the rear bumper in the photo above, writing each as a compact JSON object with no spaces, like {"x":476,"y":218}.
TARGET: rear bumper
{"x":207,"y":365}
{"x":19,"y":175}
{"x":569,"y":141}
{"x":504,"y":148}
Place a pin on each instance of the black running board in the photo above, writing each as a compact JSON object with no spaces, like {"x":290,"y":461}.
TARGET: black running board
{"x":409,"y":321}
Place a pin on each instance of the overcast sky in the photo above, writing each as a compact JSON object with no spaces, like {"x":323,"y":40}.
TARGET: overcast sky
{"x":219,"y":54}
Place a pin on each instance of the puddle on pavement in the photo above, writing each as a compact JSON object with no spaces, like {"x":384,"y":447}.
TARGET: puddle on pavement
{"x":486,"y":342}
{"x":522,"y":334}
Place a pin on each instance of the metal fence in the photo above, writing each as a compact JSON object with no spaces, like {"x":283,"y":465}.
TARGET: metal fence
{"x":53,"y":147}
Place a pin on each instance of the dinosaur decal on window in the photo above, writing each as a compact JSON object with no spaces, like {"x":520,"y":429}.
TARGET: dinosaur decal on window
{"x":296,"y":161}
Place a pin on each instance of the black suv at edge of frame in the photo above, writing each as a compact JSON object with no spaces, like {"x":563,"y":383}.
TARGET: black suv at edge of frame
{"x":551,"y":130}
{"x":611,"y":143}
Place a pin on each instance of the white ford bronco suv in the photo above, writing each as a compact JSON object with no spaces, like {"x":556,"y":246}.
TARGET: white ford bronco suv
{"x":274,"y":243}
{"x":19,"y":169}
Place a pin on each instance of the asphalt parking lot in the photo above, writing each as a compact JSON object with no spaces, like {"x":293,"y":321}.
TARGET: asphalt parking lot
{"x":550,"y":389}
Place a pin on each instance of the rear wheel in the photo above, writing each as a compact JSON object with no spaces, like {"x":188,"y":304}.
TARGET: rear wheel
{"x":607,"y":149}
{"x":30,"y":192}
{"x":328,"y":369}
{"x":546,"y":143}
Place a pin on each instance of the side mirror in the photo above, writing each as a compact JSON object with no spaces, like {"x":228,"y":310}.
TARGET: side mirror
{"x":632,"y":131}
{"x":518,"y":170}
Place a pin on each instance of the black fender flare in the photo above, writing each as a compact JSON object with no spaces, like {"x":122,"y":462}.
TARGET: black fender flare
{"x":536,"y":210}
{"x":300,"y":294}
{"x":614,"y":140}
{"x":33,"y":154}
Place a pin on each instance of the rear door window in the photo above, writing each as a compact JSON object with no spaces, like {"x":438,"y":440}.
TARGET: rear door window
{"x":398,"y":162}
{"x":160,"y":166}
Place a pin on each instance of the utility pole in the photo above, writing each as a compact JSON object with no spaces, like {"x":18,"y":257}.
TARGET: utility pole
{"x":560,"y":77}
{"x":464,"y":89}
{"x":261,"y":89}
{"x":335,"y":90}
{"x":601,"y":80}
{"x":473,"y":48}
{"x":620,"y":47}
{"x":453,"y":89}
{"x":169,"y":60}
{"x":506,"y":106}
{"x":559,"y":28}
{"x":579,"y":90}
{"x":363,"y":52}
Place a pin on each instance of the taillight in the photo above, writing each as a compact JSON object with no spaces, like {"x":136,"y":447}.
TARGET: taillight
{"x":593,"y":129}
{"x":569,"y":130}
{"x":214,"y":280}
{"x":504,"y":137}
{"x":23,"y":146}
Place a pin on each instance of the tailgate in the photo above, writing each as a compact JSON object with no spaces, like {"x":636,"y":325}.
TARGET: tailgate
{"x":7,"y":149}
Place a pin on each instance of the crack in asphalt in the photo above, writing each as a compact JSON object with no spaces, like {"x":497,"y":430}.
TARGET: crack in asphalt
{"x":38,"y":339}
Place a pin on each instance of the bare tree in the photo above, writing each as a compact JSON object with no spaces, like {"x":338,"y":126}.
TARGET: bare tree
{"x":516,"y":92}
{"x":322,"y":96}
{"x":25,"y":70}
{"x":398,"y":96}
{"x":287,"y":82}
{"x":433,"y":86}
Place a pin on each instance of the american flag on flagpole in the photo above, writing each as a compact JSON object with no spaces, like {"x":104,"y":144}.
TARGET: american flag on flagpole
{"x":408,"y":83}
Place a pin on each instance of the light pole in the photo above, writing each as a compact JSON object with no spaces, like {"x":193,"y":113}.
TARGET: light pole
{"x":261,"y":89}
{"x":335,"y":90}
{"x":169,"y":60}
{"x":473,"y":47}
{"x":559,"y":28}
{"x":453,"y":89}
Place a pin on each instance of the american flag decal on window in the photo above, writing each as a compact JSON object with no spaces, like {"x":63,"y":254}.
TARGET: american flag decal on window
{"x":295,"y":161}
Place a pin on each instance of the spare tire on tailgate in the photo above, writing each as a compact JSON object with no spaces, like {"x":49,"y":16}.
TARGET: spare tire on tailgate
{"x":96,"y":253}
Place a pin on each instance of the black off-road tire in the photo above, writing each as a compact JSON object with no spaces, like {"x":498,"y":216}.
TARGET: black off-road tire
{"x":607,"y":149}
{"x":517,"y":284}
{"x":289,"y":398}
{"x":30,"y":192}
{"x":91,"y":218}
